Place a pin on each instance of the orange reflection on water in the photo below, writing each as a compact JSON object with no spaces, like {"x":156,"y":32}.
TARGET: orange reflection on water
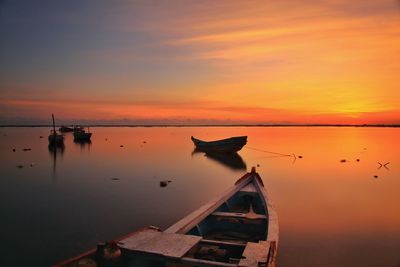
{"x":330,"y":212}
{"x":325,"y":205}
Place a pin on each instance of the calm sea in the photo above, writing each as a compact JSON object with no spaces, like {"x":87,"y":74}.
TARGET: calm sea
{"x":337,"y":205}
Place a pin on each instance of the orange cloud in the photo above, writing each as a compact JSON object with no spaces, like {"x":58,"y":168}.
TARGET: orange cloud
{"x":255,"y":62}
{"x":196,"y":112}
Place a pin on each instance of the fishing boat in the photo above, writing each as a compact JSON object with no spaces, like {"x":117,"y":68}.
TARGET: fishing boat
{"x":238,"y":228}
{"x":229,"y":145}
{"x":64,"y":129}
{"x":81,"y":135}
{"x":54,"y":137}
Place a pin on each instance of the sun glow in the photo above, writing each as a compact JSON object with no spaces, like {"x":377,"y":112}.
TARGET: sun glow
{"x":286,"y":62}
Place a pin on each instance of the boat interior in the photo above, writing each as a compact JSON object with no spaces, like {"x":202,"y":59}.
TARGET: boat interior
{"x":226,"y":231}
{"x":242,"y":218}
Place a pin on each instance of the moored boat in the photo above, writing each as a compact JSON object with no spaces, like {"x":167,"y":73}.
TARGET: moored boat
{"x":64,"y":129}
{"x":54,"y":137}
{"x":81,"y":135}
{"x":238,"y":228}
{"x":228,"y":145}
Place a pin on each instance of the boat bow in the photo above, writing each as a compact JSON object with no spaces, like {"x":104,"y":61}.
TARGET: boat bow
{"x":236,"y":229}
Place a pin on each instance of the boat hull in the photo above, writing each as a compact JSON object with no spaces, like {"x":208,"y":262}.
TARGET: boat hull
{"x":65,"y":129}
{"x":229,"y":145}
{"x":82,"y":136}
{"x":238,"y":228}
{"x":56,"y":139}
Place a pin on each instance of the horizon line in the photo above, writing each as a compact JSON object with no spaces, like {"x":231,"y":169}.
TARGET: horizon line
{"x":206,"y":125}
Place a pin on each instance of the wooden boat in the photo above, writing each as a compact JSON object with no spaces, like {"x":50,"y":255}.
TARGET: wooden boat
{"x":238,"y":228}
{"x":81,"y":135}
{"x":55,"y":138}
{"x":65,"y":129}
{"x":229,"y":145}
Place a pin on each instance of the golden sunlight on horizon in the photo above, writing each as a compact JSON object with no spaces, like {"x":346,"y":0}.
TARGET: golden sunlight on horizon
{"x":227,"y":62}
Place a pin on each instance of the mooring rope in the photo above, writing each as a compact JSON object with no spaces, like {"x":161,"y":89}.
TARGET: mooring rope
{"x":271,"y":152}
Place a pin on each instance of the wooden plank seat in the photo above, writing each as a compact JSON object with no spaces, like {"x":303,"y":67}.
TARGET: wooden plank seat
{"x":237,"y":215}
{"x":255,"y":254}
{"x":250,"y":188}
{"x":223,"y":242}
{"x":164,"y":244}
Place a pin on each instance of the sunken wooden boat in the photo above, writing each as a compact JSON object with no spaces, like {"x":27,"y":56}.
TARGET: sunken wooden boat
{"x":229,"y":145}
{"x":239,"y":228}
{"x":81,"y":135}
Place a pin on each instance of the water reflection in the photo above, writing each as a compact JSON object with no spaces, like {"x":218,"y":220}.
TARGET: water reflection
{"x":232,"y":160}
{"x":330,"y":213}
{"x":54,"y":150}
{"x":83,"y":144}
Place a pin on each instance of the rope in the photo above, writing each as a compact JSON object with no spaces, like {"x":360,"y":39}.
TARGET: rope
{"x":271,"y":152}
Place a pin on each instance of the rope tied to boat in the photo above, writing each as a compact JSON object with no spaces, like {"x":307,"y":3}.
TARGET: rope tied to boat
{"x":271,"y":152}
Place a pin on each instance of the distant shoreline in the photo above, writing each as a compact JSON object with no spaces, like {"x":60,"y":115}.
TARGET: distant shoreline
{"x":216,"y":125}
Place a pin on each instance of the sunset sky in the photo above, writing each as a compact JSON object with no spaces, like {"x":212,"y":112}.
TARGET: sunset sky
{"x":200,"y":62}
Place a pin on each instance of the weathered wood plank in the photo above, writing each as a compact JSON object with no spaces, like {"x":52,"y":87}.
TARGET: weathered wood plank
{"x":221,"y":242}
{"x":273,"y":226}
{"x":199,"y":262}
{"x":138,"y":238}
{"x":255,"y":253}
{"x":249,"y":188}
{"x":161,"y":243}
{"x":238,"y":215}
{"x":197,"y":216}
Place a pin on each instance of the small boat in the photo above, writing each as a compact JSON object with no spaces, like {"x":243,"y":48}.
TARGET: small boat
{"x":238,"y":228}
{"x":65,"y":129}
{"x":54,"y":137}
{"x":81,"y":135}
{"x":229,"y":145}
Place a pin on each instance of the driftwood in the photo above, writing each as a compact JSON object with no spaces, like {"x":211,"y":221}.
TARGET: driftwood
{"x":383,"y":165}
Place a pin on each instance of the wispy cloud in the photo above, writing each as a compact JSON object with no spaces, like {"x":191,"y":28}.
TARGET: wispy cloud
{"x":241,"y":60}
